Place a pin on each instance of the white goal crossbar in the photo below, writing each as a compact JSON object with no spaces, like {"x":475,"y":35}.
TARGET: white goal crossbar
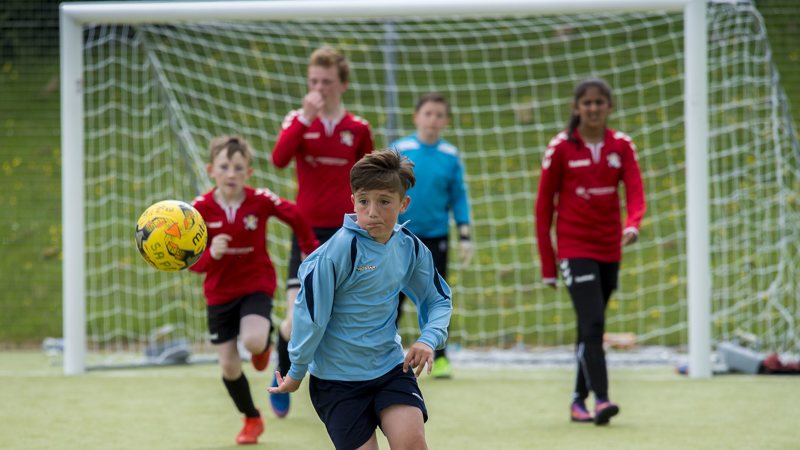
{"x":74,"y":15}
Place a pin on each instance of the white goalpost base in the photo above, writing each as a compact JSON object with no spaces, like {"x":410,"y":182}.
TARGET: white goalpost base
{"x":145,"y":85}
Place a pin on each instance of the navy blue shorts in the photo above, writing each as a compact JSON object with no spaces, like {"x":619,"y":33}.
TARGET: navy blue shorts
{"x":350,"y":409}
{"x":224,"y":319}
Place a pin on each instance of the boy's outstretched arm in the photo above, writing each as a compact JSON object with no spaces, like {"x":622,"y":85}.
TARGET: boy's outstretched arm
{"x":417,"y":356}
{"x":287,"y":384}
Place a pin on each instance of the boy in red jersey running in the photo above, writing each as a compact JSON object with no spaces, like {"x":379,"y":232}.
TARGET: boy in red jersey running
{"x":239,"y":276}
{"x":582,"y":168}
{"x":324,"y":140}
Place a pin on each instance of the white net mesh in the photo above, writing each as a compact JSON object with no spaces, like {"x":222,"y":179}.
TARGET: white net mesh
{"x":156,"y":94}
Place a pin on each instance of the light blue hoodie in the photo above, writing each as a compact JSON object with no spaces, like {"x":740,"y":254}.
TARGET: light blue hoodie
{"x":344,"y":316}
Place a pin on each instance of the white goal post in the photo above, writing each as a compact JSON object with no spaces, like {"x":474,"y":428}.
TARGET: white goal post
{"x":73,"y":17}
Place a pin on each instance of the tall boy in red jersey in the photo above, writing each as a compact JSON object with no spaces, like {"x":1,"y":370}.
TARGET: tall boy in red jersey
{"x":324,"y":140}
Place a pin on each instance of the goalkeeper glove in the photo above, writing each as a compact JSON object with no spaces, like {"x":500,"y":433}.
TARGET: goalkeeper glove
{"x":465,"y":246}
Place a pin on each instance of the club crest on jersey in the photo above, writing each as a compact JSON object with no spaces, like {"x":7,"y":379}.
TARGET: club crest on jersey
{"x":250,"y":222}
{"x":614,"y":161}
{"x":346,"y":137}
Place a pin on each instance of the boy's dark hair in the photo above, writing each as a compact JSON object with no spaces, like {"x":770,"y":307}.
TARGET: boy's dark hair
{"x":233,"y":144}
{"x":329,"y":57}
{"x":580,"y":90}
{"x":433,"y":97}
{"x":383,"y":169}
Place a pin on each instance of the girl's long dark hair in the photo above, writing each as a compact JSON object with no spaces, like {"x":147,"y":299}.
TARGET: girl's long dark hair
{"x":580,"y":90}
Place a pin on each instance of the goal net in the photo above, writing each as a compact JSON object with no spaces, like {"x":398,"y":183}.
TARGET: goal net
{"x":155,"y":94}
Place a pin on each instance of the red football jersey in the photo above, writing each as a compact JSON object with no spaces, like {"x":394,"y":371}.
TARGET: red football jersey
{"x":580,"y":183}
{"x":246,"y":267}
{"x":323,"y":159}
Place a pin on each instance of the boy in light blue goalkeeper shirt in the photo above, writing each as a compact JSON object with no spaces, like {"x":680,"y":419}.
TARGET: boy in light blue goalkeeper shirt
{"x":344,"y":329}
{"x":439,"y":190}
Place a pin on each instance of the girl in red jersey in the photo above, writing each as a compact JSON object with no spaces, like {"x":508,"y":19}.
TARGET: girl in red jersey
{"x":239,"y":276}
{"x":581,"y":172}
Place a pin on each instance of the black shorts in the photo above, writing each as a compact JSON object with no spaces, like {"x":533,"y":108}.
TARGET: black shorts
{"x":438,"y":247}
{"x":322,"y":234}
{"x":224,"y":319}
{"x":351,"y":410}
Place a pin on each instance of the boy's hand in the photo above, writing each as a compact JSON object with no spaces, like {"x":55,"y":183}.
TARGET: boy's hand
{"x":417,"y":356}
{"x":219,"y":245}
{"x":312,"y":105}
{"x":285,"y":385}
{"x":629,"y":238}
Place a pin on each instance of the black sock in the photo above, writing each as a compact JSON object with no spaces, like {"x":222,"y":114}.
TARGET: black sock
{"x":239,"y":390}
{"x":269,"y":338}
{"x":283,"y":355}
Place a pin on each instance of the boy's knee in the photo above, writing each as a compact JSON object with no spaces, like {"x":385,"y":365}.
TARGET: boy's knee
{"x":253,"y":347}
{"x":255,"y":343}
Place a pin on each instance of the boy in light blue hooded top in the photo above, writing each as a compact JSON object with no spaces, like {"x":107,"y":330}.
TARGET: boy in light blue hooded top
{"x":344,"y":332}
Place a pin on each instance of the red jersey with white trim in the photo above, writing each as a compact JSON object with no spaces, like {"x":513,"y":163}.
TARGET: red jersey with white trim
{"x":323,"y":160}
{"x":246,"y":267}
{"x":580,"y":184}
